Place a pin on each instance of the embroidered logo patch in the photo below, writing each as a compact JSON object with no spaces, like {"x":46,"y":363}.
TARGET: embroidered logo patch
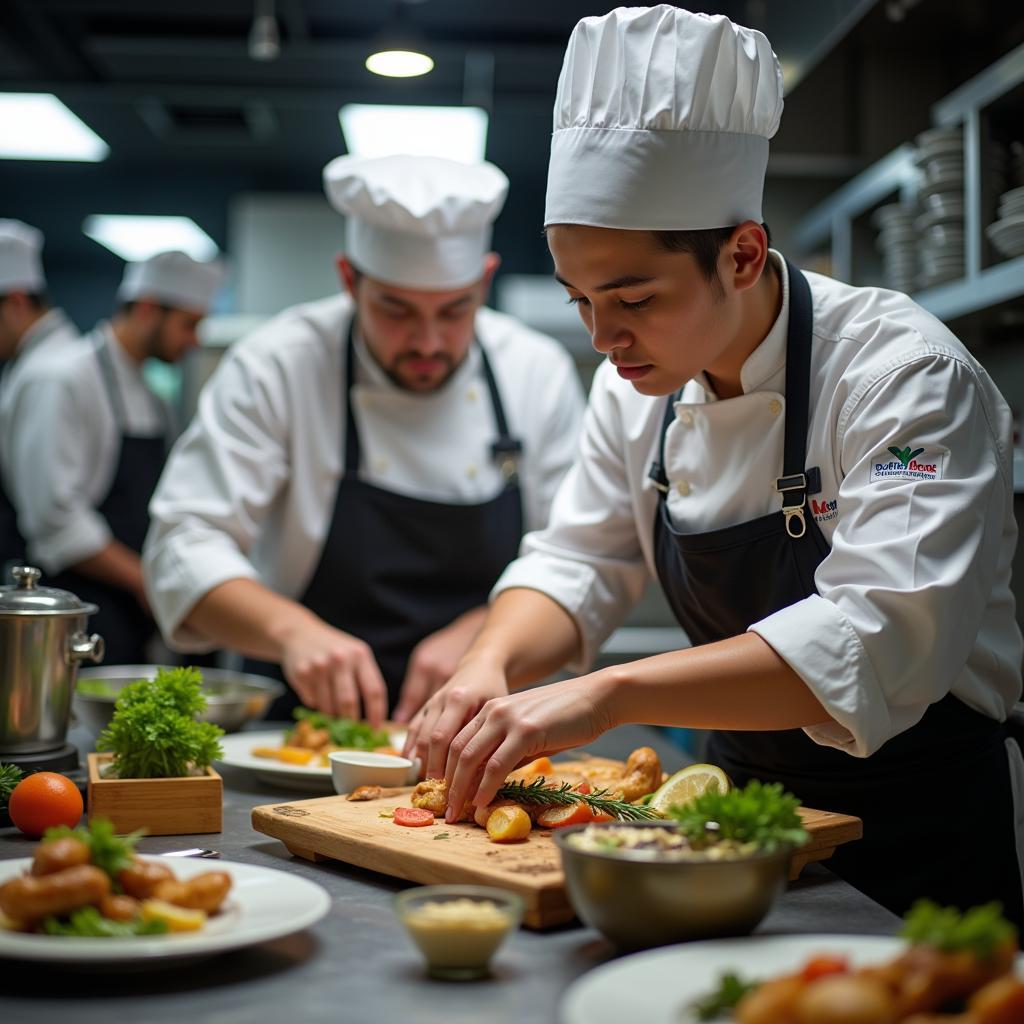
{"x":907,"y":463}
{"x":824,"y":510}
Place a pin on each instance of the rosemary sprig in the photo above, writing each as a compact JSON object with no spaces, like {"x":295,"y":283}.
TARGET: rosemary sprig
{"x":540,"y":792}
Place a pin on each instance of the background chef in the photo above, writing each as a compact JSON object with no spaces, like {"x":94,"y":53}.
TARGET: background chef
{"x":89,"y":443}
{"x":29,"y":328}
{"x":361,"y":469}
{"x":818,"y":475}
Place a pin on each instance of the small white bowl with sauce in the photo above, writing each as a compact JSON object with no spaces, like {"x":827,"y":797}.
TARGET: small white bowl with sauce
{"x":351,"y":769}
{"x":458,"y":928}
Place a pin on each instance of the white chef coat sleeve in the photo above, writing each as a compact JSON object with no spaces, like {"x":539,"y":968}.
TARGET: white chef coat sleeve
{"x":902,"y":592}
{"x":215,"y":493}
{"x":588,"y":558}
{"x":558,"y":406}
{"x":56,"y":449}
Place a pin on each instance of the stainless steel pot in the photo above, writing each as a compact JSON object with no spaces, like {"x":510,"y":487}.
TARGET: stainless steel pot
{"x":42,"y":639}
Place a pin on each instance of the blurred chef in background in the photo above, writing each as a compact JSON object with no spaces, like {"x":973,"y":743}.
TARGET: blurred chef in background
{"x":29,"y":328}
{"x":89,"y":443}
{"x":362,"y":468}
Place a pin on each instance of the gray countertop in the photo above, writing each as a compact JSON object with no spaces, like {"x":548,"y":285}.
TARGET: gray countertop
{"x":357,"y":964}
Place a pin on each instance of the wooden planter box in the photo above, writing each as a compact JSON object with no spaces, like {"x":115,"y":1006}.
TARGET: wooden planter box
{"x":164,"y":807}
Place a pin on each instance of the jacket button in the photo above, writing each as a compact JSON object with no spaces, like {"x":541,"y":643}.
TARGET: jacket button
{"x":686,"y":418}
{"x":682,"y":487}
{"x":775,"y":407}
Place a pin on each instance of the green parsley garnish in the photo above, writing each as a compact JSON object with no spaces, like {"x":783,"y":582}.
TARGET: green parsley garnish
{"x":88,"y":922}
{"x":982,"y":930}
{"x":109,"y":852}
{"x":731,"y":989}
{"x":763,"y":815}
{"x":540,"y":792}
{"x":344,"y":732}
{"x":154,"y":733}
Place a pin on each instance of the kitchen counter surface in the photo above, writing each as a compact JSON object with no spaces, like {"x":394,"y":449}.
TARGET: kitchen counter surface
{"x":357,"y":964}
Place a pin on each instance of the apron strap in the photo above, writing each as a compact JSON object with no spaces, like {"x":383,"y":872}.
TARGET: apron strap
{"x":505,"y":450}
{"x":115,"y":397}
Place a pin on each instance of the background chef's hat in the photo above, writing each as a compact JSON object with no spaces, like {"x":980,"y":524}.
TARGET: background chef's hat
{"x":173,"y":279}
{"x":21,"y":268}
{"x":416,"y":221}
{"x":662,"y":121}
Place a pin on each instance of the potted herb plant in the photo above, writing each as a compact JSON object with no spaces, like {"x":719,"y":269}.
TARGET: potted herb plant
{"x":152,"y":765}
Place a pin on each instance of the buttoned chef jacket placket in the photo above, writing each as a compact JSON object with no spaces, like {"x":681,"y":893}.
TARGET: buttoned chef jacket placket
{"x":121,"y":620}
{"x":394,"y":569}
{"x":935,"y":800}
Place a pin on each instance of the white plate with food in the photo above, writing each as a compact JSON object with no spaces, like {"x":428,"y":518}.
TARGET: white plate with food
{"x":663,"y":986}
{"x":255,"y":752}
{"x":262,"y":904}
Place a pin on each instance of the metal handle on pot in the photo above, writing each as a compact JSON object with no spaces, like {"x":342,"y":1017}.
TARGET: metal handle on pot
{"x":81,"y":647}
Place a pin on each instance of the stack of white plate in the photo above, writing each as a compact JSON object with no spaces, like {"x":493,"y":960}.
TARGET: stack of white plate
{"x":1007,"y":233}
{"x":897,"y":242}
{"x":940,"y":155}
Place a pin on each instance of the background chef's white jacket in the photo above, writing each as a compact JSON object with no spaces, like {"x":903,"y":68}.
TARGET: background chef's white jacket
{"x":61,"y":451}
{"x":914,"y":598}
{"x":52,"y":330}
{"x":249,"y":489}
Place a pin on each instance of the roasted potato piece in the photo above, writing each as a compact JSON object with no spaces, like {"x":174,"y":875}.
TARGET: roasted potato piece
{"x":141,"y":877}
{"x":366,"y":793}
{"x":508,"y":824}
{"x":119,"y":908}
{"x":28,"y":899}
{"x":999,"y":1002}
{"x":774,"y":1002}
{"x":177,"y":919}
{"x":845,"y":999}
{"x":58,"y":855}
{"x":204,"y":892}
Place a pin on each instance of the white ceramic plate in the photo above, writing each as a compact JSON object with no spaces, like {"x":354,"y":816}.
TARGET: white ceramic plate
{"x":238,"y":753}
{"x":658,"y":987}
{"x":263,"y":904}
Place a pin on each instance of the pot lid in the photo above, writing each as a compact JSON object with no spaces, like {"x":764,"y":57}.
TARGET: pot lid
{"x":26,"y":597}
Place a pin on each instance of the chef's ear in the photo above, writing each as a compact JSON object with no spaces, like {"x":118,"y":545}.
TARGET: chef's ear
{"x":747,"y":253}
{"x":348,"y":274}
{"x":491,"y":263}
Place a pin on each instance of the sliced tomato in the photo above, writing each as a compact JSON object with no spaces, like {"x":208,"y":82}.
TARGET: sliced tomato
{"x":570,"y":814}
{"x":584,"y":788}
{"x":823,"y":966}
{"x":413,"y":817}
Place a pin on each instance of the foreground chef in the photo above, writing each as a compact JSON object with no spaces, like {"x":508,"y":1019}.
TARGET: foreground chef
{"x":88,"y":447}
{"x":361,"y":468}
{"x":818,"y":475}
{"x":30,"y":329}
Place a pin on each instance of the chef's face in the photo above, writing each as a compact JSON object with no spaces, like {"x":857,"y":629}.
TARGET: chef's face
{"x":170,"y":333}
{"x":657,"y":317}
{"x":417,"y":337}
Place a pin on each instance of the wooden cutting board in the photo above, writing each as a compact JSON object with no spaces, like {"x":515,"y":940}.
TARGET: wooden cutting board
{"x":333,"y":828}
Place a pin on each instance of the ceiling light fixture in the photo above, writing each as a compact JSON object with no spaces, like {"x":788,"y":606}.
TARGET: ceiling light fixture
{"x":264,"y":36}
{"x":379,"y":129}
{"x":136,"y":238}
{"x":398,"y":52}
{"x":37,"y":126}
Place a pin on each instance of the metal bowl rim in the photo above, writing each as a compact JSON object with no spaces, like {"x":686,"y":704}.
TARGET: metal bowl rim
{"x":262,"y":685}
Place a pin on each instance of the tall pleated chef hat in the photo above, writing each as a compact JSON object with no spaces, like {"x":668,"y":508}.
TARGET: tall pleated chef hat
{"x":662,"y":121}
{"x":21,"y":265}
{"x":416,"y":221}
{"x":173,"y":279}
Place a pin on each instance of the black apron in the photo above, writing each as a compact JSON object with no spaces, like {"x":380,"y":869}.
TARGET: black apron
{"x":395,"y":569}
{"x":125,"y":627}
{"x":936,"y":800}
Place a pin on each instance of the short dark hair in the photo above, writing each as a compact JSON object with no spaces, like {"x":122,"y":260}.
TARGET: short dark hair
{"x":37,"y":300}
{"x":125,"y":308}
{"x":705,"y":247}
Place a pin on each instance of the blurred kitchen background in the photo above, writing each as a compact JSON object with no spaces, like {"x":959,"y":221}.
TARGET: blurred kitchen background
{"x":900,"y":160}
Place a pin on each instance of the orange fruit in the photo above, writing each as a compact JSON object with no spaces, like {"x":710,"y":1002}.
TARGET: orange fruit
{"x":43,"y":800}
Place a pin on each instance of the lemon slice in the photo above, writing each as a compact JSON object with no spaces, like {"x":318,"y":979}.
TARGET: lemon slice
{"x":688,"y":784}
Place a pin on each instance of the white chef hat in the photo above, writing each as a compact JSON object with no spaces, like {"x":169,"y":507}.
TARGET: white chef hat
{"x":21,"y":266}
{"x":662,"y":121}
{"x":173,"y":279}
{"x":416,"y":221}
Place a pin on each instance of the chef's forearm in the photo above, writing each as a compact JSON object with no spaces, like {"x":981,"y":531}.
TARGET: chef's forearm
{"x":115,"y":564}
{"x":526,"y":636}
{"x":739,"y":683}
{"x":248,"y":617}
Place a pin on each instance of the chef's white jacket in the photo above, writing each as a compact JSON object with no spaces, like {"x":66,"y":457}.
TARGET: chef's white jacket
{"x":60,"y":452}
{"x":914,"y":597}
{"x":249,"y":489}
{"x":45,"y":337}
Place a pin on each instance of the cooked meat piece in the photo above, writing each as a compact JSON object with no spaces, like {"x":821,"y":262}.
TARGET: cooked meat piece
{"x":58,"y":855}
{"x":366,"y":793}
{"x":27,"y":899}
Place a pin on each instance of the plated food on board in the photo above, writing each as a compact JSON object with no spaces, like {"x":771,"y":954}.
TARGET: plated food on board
{"x":957,"y":968}
{"x":315,"y":735}
{"x":89,"y":883}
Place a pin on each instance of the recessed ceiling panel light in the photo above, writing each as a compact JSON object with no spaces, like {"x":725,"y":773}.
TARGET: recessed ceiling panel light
{"x":399,"y":63}
{"x":377,"y":129}
{"x":37,"y":126}
{"x":136,"y":238}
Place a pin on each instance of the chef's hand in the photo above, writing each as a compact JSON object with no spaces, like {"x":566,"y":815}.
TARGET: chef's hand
{"x":510,"y":731}
{"x":434,"y":660}
{"x":334,"y":672}
{"x":435,"y":725}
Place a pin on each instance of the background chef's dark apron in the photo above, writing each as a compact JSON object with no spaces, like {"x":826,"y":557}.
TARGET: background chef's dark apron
{"x":936,"y":800}
{"x":121,"y":621}
{"x":395,"y":569}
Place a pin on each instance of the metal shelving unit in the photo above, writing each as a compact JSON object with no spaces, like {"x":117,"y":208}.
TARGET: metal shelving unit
{"x":986,"y":282}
